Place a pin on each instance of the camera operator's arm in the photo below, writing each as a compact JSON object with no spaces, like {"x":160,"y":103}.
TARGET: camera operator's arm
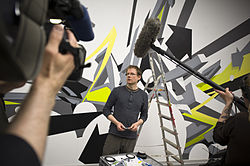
{"x":31,"y":121}
{"x":228,"y":98}
{"x":225,"y":124}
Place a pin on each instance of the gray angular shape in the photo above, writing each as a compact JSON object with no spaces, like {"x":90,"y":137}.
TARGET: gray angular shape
{"x":212,"y":70}
{"x":63,"y":108}
{"x":185,"y":111}
{"x":178,"y":89}
{"x":178,"y":72}
{"x":102,"y":78}
{"x":188,"y":96}
{"x":79,"y":133}
{"x":194,"y":130}
{"x":186,"y":13}
{"x":237,"y":59}
{"x":157,"y":8}
{"x":85,"y":82}
{"x":207,"y":111}
{"x":71,"y":93}
{"x":209,"y":136}
{"x":99,"y":59}
{"x":171,"y":2}
{"x":15,"y":96}
{"x":238,"y":56}
{"x":127,"y":60}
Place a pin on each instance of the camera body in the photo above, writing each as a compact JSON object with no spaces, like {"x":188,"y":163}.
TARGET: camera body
{"x":79,"y":53}
{"x":65,"y":11}
{"x":23,"y":36}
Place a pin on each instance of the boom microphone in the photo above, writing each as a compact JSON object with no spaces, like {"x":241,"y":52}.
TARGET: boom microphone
{"x":147,"y":36}
{"x":145,"y":41}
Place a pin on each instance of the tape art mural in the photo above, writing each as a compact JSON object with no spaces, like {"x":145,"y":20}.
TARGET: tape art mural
{"x":224,"y":59}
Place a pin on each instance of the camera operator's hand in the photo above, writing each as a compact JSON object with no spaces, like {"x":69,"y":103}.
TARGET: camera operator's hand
{"x":32,"y":120}
{"x":71,"y":38}
{"x":56,"y":67}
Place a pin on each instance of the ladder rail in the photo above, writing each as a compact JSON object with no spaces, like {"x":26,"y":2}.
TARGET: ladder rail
{"x":170,"y":108}
{"x":155,"y":91}
{"x":156,"y":81}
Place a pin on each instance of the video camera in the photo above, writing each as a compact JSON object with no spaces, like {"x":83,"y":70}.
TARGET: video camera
{"x":71,"y":14}
{"x":24,"y":29}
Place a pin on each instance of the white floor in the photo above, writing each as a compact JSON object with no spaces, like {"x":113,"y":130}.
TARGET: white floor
{"x":187,"y":163}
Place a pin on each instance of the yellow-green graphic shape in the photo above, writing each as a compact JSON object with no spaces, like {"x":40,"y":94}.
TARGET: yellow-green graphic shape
{"x":11,"y":103}
{"x":202,"y":118}
{"x":229,"y":71}
{"x":160,"y":14}
{"x":101,"y":95}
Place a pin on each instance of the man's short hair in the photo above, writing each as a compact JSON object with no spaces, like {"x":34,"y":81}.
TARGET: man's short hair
{"x":138,"y":70}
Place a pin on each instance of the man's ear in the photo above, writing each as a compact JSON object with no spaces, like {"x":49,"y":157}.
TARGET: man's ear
{"x":139,"y":77}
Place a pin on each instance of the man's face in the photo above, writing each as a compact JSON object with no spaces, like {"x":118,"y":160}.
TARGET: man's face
{"x":132,"y":77}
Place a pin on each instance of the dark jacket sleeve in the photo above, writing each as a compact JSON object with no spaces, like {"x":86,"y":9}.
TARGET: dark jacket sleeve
{"x":144,"y":108}
{"x":222,"y":131}
{"x":107,"y":109}
{"x":15,"y":151}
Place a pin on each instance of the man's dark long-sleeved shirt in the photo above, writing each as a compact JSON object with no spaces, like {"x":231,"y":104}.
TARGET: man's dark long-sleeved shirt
{"x":235,"y":133}
{"x":127,"y":107}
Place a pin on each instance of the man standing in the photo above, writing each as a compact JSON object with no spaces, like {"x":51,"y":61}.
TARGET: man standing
{"x":128,"y":101}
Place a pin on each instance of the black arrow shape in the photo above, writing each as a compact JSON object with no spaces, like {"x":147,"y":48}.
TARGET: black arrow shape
{"x":180,"y":42}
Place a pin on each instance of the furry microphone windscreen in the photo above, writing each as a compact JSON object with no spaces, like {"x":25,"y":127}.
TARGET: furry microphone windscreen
{"x":147,"y":36}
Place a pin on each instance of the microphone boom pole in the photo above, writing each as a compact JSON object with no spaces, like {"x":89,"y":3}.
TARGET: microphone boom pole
{"x":197,"y":74}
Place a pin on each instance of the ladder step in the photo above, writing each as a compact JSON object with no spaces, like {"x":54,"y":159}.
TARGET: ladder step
{"x":170,"y":143}
{"x":165,"y":104}
{"x":165,"y":117}
{"x":168,"y":130}
{"x":173,"y":156}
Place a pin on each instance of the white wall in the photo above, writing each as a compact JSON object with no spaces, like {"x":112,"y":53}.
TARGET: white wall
{"x":210,"y":19}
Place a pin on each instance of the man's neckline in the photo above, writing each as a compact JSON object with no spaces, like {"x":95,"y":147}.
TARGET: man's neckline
{"x":132,"y":90}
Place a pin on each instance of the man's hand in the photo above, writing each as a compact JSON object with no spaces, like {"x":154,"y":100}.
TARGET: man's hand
{"x":134,"y":127}
{"x":120,"y":126}
{"x":226,"y":96}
